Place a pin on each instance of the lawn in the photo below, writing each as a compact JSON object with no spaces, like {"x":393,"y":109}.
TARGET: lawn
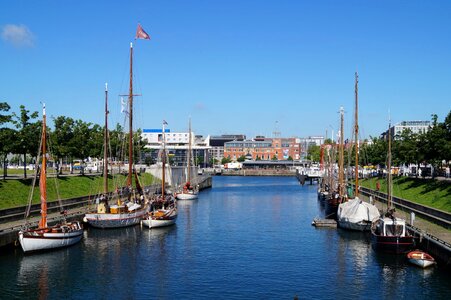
{"x":15,"y":192}
{"x":429,"y":192}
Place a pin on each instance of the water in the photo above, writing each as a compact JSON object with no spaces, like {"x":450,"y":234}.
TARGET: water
{"x":246,"y":238}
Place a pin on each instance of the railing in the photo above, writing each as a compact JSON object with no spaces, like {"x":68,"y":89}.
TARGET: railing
{"x":437,"y":216}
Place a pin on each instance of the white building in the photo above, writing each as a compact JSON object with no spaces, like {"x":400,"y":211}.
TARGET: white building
{"x":415,"y":127}
{"x":177,"y":144}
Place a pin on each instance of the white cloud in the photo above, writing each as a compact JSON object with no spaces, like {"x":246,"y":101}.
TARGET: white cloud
{"x":17,"y":35}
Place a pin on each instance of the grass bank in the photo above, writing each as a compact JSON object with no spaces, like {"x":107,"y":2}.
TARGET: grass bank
{"x":15,"y":192}
{"x":429,"y":192}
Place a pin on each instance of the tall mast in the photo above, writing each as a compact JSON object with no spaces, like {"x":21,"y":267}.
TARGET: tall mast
{"x":341,"y":155}
{"x":130,"y":138}
{"x":163,"y":160}
{"x":189,"y":153}
{"x":43,"y":176}
{"x":356,"y":129}
{"x":105,"y":144}
{"x":389,"y":192}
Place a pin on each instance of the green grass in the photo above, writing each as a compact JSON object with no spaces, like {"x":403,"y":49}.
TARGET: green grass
{"x":15,"y":192}
{"x":429,"y":192}
{"x":16,"y":172}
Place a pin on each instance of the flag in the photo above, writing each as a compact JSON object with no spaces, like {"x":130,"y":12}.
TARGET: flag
{"x":165,"y":123}
{"x":123,"y":105}
{"x":141,"y":34}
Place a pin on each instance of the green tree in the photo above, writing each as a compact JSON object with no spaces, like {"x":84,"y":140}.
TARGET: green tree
{"x":290,"y":158}
{"x":313,"y":152}
{"x":7,"y":136}
{"x":28,"y":134}
{"x":62,"y":137}
{"x":225,"y":160}
{"x":274,"y":157}
{"x":241,"y":158}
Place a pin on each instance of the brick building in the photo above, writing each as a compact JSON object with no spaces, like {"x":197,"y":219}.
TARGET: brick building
{"x":264,"y":149}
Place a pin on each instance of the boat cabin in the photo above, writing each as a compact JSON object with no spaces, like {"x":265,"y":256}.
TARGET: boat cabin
{"x":391,"y":227}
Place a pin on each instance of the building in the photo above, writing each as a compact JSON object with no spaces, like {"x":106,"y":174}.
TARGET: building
{"x":217,"y":144}
{"x":263,"y":148}
{"x":415,"y":127}
{"x":177,"y":145}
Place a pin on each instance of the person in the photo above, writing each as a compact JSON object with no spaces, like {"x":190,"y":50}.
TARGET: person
{"x":378,"y":186}
{"x":447,"y":172}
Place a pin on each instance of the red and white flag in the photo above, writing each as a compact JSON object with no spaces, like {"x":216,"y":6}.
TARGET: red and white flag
{"x":141,"y":34}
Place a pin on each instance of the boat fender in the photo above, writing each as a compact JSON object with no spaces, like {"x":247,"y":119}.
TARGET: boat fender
{"x":85,"y":220}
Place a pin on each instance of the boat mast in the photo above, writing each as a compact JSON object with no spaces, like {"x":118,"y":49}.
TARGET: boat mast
{"x":130,"y":138}
{"x":163,"y":160}
{"x":42,"y":177}
{"x":105,"y":145}
{"x":341,"y":155}
{"x":189,"y":153}
{"x":356,"y":130}
{"x":389,"y":177}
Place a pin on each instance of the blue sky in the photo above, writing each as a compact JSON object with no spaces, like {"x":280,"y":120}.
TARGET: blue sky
{"x":233,"y":66}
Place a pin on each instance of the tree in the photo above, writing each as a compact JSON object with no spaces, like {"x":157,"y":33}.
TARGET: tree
{"x":7,"y":136}
{"x":313,"y":152}
{"x":241,"y":158}
{"x":225,"y":160}
{"x":28,"y":136}
{"x":290,"y":158}
{"x":274,"y":157}
{"x":62,"y":137}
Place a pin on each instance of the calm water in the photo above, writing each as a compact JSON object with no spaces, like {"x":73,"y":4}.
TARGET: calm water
{"x":246,"y":238}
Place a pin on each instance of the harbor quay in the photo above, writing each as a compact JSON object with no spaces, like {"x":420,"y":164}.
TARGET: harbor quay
{"x":12,"y":220}
{"x":430,"y":227}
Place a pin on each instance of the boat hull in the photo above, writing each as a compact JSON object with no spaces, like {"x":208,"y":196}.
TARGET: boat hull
{"x":420,"y":259}
{"x":108,"y":220}
{"x":356,"y":226}
{"x":45,"y":239}
{"x":187,"y":196}
{"x":160,"y":218}
{"x":154,"y":223}
{"x":392,"y":244}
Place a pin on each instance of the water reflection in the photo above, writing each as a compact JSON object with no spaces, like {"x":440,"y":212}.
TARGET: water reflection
{"x":40,"y":273}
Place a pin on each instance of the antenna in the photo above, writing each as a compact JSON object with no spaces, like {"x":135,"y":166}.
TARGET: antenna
{"x":276,"y":132}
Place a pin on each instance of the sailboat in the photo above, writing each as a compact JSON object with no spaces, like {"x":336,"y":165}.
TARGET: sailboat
{"x":131,"y":211}
{"x":354,"y":214}
{"x":188,"y":192}
{"x":163,"y":211}
{"x":48,"y":237}
{"x":388,"y":232}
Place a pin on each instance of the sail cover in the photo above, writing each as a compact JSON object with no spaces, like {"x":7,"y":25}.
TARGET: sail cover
{"x":356,"y":210}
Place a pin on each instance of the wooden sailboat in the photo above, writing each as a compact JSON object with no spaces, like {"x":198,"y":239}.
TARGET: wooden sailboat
{"x":188,"y":192}
{"x":132,"y":210}
{"x":353,"y":214}
{"x":388,"y":232}
{"x":48,"y":237}
{"x":163,"y":210}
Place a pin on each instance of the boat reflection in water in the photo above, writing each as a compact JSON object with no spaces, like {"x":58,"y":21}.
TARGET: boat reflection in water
{"x":41,"y":276}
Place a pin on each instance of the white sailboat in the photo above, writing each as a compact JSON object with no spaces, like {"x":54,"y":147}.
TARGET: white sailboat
{"x":354,"y":214}
{"x":163,"y":207}
{"x":123,"y":213}
{"x":188,"y":192}
{"x":48,"y":237}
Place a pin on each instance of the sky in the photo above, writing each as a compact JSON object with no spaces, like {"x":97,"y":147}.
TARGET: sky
{"x":235,"y":67}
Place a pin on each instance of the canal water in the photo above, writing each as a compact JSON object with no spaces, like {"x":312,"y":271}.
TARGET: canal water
{"x":245,"y":238}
